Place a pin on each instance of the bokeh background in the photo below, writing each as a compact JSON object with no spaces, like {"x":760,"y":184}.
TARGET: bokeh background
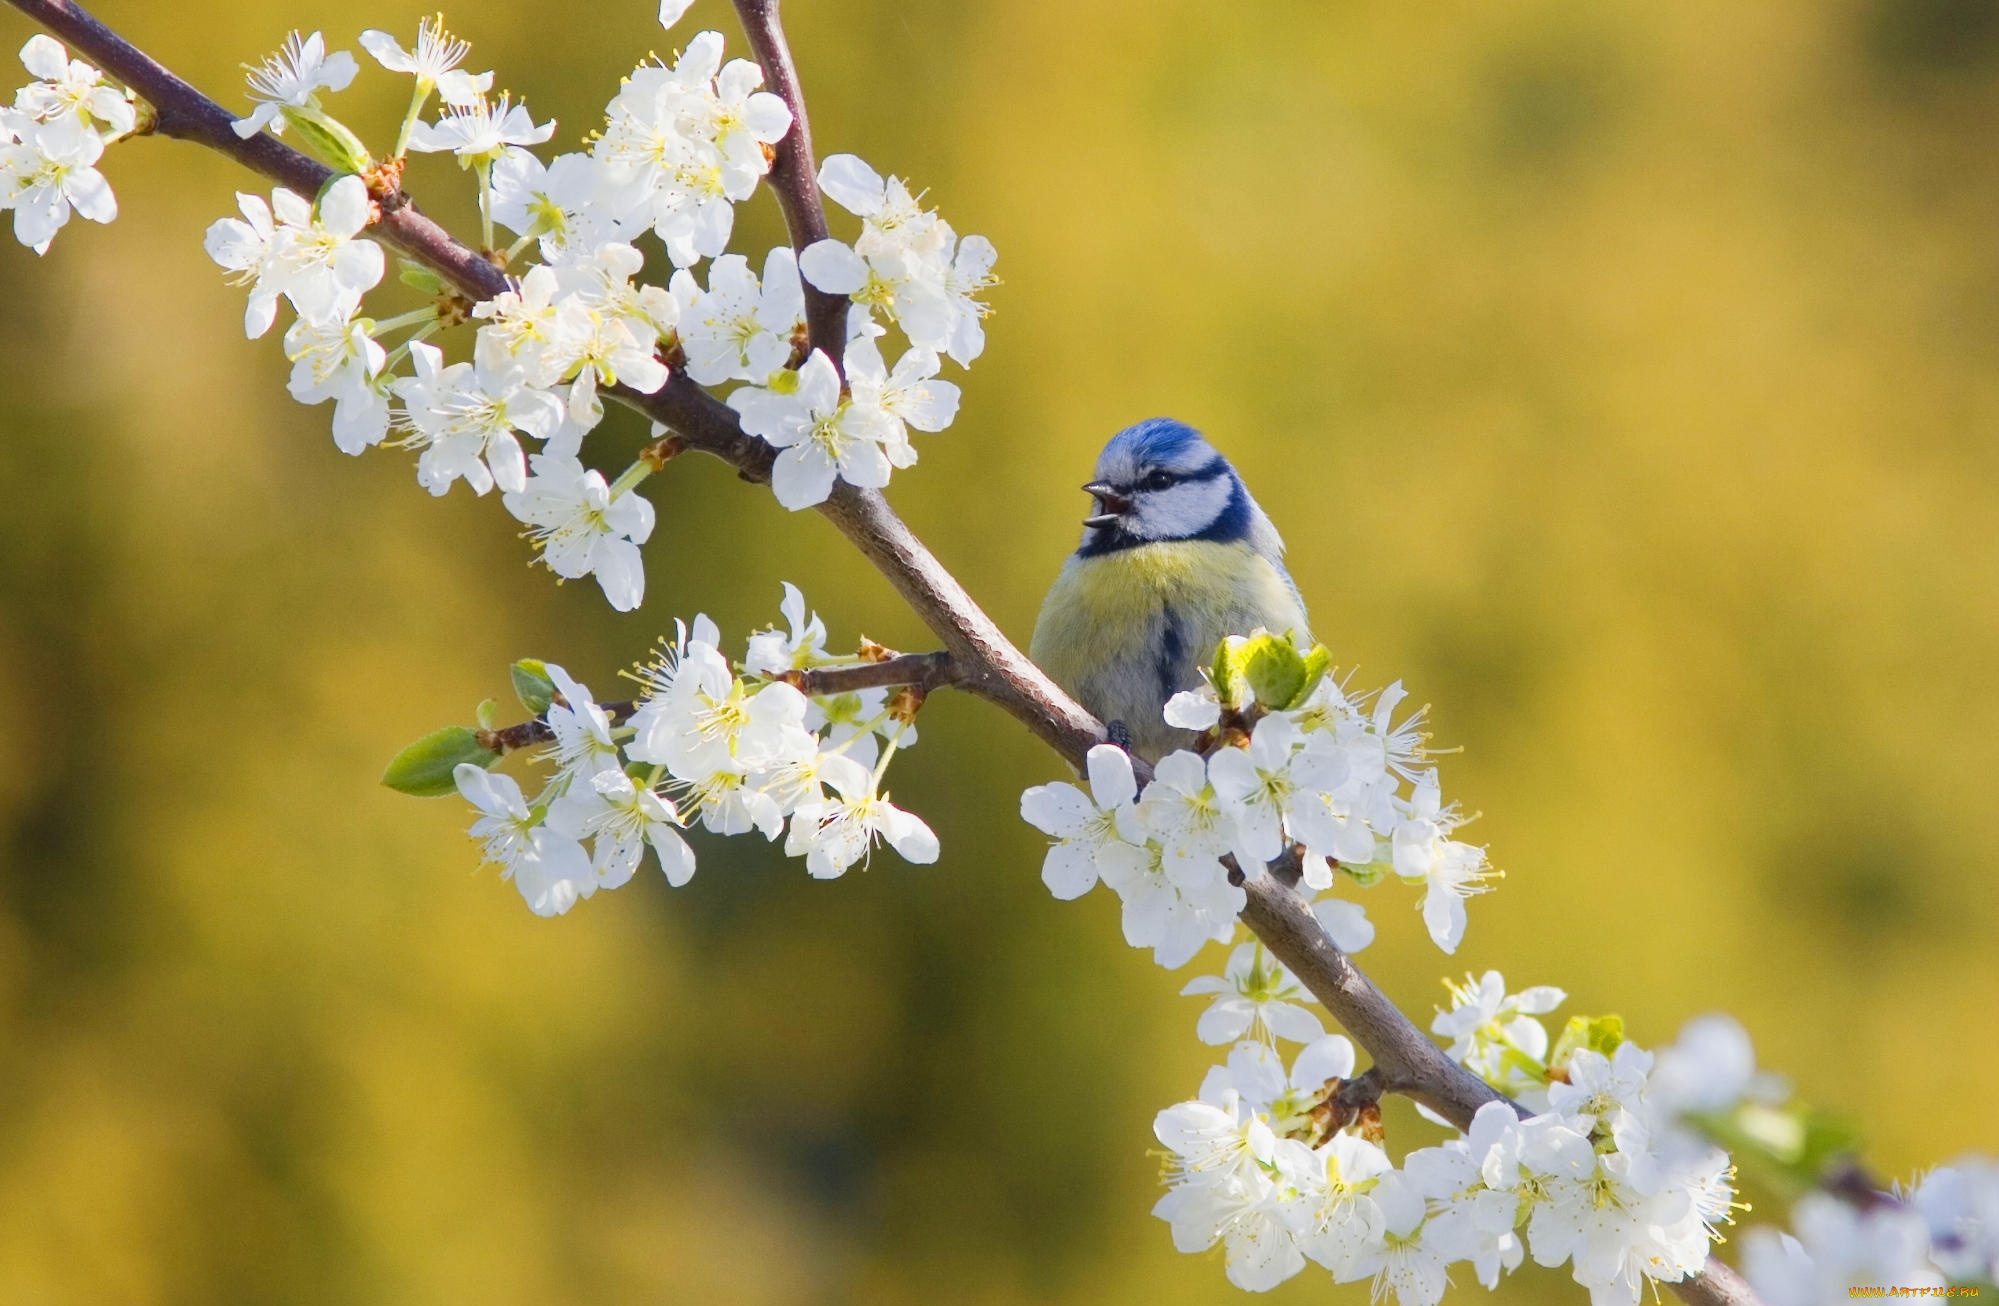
{"x":1624,"y":377}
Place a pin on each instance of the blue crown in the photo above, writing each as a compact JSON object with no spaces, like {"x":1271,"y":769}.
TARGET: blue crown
{"x":1159,"y":442}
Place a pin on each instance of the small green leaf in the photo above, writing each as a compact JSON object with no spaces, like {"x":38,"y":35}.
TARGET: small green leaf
{"x":487,"y":714}
{"x":1600,"y":1034}
{"x":531,"y":683}
{"x":1274,"y":669}
{"x":1791,"y":1148}
{"x":1367,"y":876}
{"x":1316,"y":664}
{"x":331,"y":140}
{"x":1226,"y":673}
{"x":423,"y":770}
{"x":418,"y":277}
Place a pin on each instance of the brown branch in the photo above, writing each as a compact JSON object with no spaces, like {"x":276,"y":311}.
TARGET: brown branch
{"x":793,"y":173}
{"x":980,"y":657}
{"x":920,"y":671}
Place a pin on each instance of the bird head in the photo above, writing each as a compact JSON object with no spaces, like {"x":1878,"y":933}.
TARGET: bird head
{"x":1158,"y":482}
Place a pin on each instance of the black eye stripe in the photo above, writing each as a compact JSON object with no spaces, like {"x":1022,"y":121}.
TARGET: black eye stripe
{"x":1161,"y":478}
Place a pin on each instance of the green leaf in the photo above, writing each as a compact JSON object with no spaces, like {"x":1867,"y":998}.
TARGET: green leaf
{"x":1274,"y":669}
{"x":1788,"y":1147}
{"x":1316,"y":664}
{"x":1369,"y":875}
{"x":1600,"y":1034}
{"x":532,"y":685}
{"x":331,"y":140}
{"x":487,"y":714}
{"x":418,"y":277}
{"x":423,"y":770}
{"x":1225,"y":675}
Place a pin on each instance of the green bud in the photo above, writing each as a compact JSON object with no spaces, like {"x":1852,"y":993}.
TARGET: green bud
{"x":1601,"y":1034}
{"x":1369,"y":875}
{"x":1274,"y":670}
{"x":532,"y":685}
{"x":423,"y":770}
{"x":1226,"y":674}
{"x":330,"y":139}
{"x":487,"y":714}
{"x":1317,"y":663}
{"x":418,"y":277}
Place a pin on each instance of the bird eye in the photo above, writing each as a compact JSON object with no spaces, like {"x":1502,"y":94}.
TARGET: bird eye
{"x":1157,"y":479}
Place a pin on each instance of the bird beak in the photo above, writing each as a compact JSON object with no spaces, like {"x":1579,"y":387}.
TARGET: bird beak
{"x":1115,"y":505}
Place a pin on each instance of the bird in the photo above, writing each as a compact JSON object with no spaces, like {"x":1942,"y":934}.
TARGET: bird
{"x":1175,"y":557}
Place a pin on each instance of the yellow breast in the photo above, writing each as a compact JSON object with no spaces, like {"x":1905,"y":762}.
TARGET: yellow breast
{"x":1123,"y":631}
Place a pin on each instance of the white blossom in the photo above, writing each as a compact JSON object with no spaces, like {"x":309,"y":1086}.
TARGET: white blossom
{"x":1598,"y":1085}
{"x":622,"y":819}
{"x":434,"y":62}
{"x":49,"y":171}
{"x":772,"y":652}
{"x":338,"y":360}
{"x":464,"y":418}
{"x":581,"y":530}
{"x":317,"y":259}
{"x":833,"y":834}
{"x":706,"y":720}
{"x":1494,"y":1033}
{"x":71,"y":92}
{"x":562,"y":203}
{"x":1174,"y":912}
{"x":1838,"y":1247}
{"x":740,"y":328}
{"x":821,"y":435}
{"x":1093,"y":832}
{"x":1181,"y":812}
{"x":1452,"y":871}
{"x":683,"y":145}
{"x":583,"y":742}
{"x":1232,"y":1182}
{"x":907,"y":262}
{"x":1194,"y":709}
{"x":291,"y":78}
{"x":908,"y":396}
{"x":1407,"y":1260}
{"x":1255,"y":996}
{"x":1960,"y":1205}
{"x":480,"y":130}
{"x":550,"y":869}
{"x":246,"y":249}
{"x":1345,"y":923}
{"x":1260,"y":787}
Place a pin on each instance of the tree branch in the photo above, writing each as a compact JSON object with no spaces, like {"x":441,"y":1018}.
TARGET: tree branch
{"x":793,"y":173}
{"x":921,"y":671}
{"x":978,"y":656}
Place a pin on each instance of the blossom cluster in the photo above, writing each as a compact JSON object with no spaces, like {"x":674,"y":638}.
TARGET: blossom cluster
{"x":1266,"y":1164}
{"x":1945,"y":1231}
{"x":736,"y":746}
{"x":682,"y":144}
{"x":1334,"y":775}
{"x":51,"y":140}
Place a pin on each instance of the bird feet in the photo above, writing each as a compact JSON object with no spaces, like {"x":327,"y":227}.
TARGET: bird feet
{"x":1117,"y":732}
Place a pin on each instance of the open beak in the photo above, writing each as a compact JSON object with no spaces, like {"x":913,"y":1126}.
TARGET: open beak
{"x":1114,"y":505}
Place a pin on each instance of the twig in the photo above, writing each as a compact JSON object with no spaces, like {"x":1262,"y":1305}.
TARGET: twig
{"x":920,"y":671}
{"x":793,"y":173}
{"x":981,"y":658}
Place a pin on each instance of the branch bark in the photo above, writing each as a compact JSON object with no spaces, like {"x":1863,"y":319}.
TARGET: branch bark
{"x":978,"y":655}
{"x":794,"y":175}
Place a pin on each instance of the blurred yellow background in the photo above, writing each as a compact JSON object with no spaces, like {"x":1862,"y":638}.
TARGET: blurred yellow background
{"x":1624,"y":377}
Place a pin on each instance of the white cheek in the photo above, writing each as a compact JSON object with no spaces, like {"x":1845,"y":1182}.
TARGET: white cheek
{"x":1185,"y":509}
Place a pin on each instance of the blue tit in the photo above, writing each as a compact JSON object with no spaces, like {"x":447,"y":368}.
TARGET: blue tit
{"x":1176,"y":556}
